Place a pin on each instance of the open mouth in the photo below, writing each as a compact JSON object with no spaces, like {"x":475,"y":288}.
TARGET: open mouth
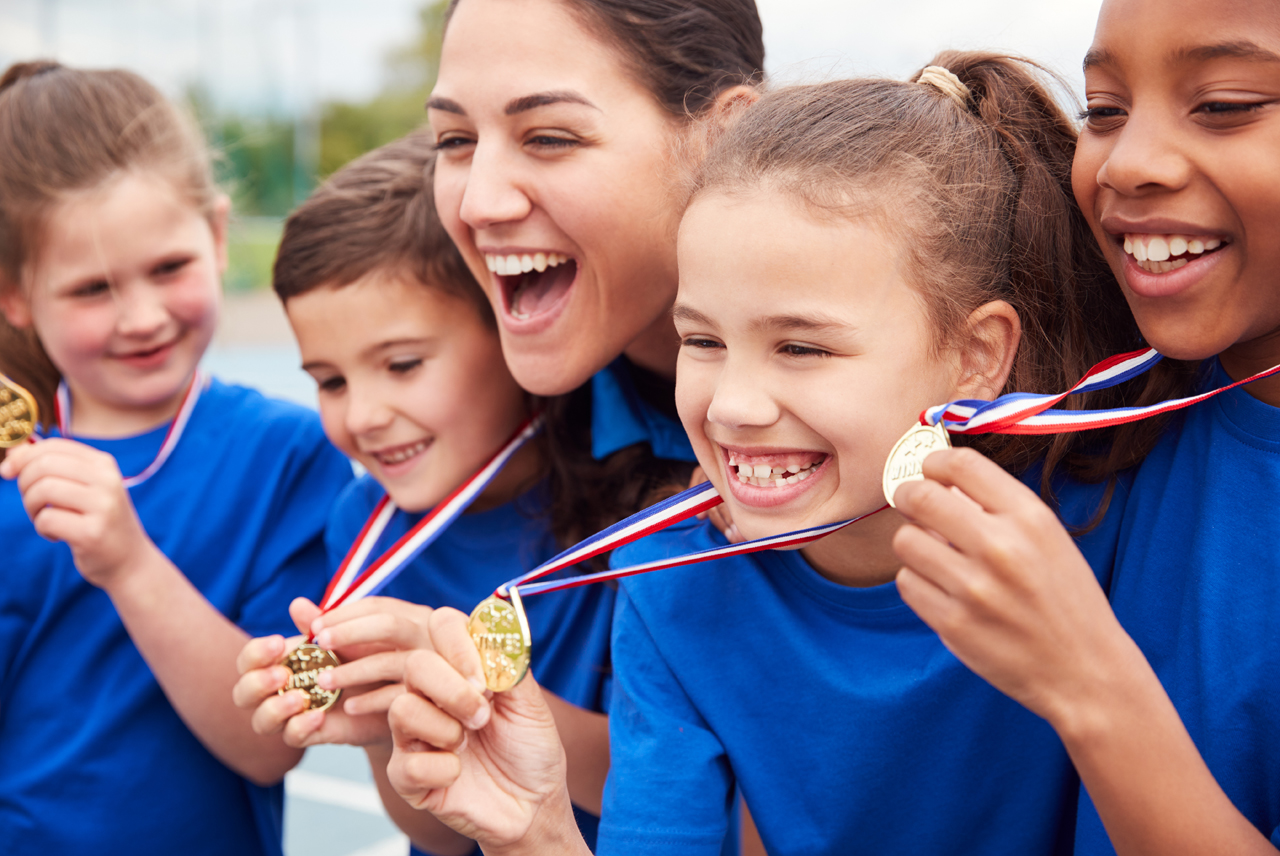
{"x":532,"y":283}
{"x":1166,"y":253}
{"x":775,"y":470}
{"x":400,"y":454}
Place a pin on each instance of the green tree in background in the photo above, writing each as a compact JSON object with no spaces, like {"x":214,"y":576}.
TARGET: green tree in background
{"x":256,"y":154}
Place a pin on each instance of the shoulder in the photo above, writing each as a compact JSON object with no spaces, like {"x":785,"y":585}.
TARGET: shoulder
{"x":258,"y":415}
{"x":1092,"y":511}
{"x":680,"y":587}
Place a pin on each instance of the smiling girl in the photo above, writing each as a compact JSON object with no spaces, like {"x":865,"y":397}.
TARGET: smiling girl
{"x":1168,"y":706}
{"x":167,"y":514}
{"x":851,"y":252}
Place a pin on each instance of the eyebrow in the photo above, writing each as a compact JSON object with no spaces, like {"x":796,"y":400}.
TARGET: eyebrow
{"x":805,"y":323}
{"x":1245,"y":50}
{"x":518,"y":105}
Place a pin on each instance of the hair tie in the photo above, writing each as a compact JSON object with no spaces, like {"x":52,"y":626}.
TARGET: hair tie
{"x":945,"y":82}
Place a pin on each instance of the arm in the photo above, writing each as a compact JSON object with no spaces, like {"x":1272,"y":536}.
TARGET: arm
{"x":1010,"y":594}
{"x":585,"y":735}
{"x":75,"y":494}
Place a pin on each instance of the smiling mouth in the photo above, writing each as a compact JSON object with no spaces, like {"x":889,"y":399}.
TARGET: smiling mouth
{"x":532,"y":283}
{"x":148,"y":353}
{"x":400,"y":454}
{"x":1166,"y":253}
{"x":775,"y":470}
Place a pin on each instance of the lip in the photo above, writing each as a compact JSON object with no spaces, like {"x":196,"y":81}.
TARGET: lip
{"x":545,"y":319}
{"x":1164,"y":285}
{"x":768,"y":497}
{"x":149,"y":358}
{"x":1117,"y":225}
{"x":398,"y":468}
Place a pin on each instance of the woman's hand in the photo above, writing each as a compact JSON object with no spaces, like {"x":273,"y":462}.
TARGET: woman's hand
{"x":75,"y":494}
{"x":371,"y":637}
{"x":490,"y":766}
{"x":991,"y":569}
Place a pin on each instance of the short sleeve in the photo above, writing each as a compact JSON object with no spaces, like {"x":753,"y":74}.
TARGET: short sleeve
{"x":291,"y":560}
{"x":670,"y":789}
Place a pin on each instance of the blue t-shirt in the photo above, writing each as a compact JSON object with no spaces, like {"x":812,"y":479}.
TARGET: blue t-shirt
{"x":846,"y":723}
{"x":475,"y":555}
{"x":620,"y":417}
{"x":95,"y":759}
{"x":1196,"y":587}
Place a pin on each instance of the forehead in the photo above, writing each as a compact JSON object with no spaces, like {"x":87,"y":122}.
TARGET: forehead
{"x":509,"y":48}
{"x":1137,"y":35}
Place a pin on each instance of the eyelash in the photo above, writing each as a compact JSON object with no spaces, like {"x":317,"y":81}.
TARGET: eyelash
{"x":331,"y":384}
{"x":701,"y":343}
{"x":92,"y":289}
{"x":404,"y":366}
{"x":792,"y":349}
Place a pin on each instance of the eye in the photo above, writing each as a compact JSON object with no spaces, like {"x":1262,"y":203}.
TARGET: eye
{"x":551,"y":141}
{"x":331,"y":385}
{"x":169,"y":267}
{"x":1220,"y":107}
{"x":795,"y":349}
{"x":93,"y":288}
{"x":451,"y":142}
{"x":404,"y":366}
{"x":1101,"y":118}
{"x":700,"y":343}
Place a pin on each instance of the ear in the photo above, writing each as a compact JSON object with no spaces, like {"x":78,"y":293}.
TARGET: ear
{"x":732,"y":101}
{"x":218,"y":220}
{"x":14,"y":305}
{"x":993,"y":331}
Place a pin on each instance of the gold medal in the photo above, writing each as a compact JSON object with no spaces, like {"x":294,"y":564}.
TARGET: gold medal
{"x":19,"y":414}
{"x":906,"y":461}
{"x":305,"y":664}
{"x":501,"y":634}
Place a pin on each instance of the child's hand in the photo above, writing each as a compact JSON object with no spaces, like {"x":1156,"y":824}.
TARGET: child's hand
{"x":490,"y":766}
{"x":1004,"y":586}
{"x":719,"y":516}
{"x":75,"y":494}
{"x":364,"y":636}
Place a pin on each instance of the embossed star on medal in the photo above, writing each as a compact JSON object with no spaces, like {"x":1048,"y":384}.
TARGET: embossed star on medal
{"x":19,"y":414}
{"x":1031,"y":413}
{"x":358,"y":578}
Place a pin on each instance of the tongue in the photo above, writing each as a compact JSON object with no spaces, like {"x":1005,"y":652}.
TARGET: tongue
{"x":535,"y":292}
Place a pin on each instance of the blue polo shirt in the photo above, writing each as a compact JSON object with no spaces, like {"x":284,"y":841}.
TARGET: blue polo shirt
{"x":621,"y":417}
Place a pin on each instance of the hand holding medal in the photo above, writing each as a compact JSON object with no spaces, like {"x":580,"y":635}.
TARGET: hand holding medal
{"x":19,"y":414}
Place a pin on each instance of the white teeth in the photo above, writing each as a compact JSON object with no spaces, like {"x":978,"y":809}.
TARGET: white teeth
{"x":1195,"y":245}
{"x":741,"y":477}
{"x":804,"y":474}
{"x":733,"y":461}
{"x":526,"y":264}
{"x":513,"y":264}
{"x":1177,"y":263}
{"x":491,"y":263}
{"x":762,"y":471}
{"x":539,"y":262}
{"x":1139,"y":251}
{"x":1128,"y":244}
{"x":1212,"y":244}
{"x":1177,"y":245}
{"x":777,"y":471}
{"x":792,"y":479}
{"x":402,"y":455}
{"x":1158,"y":249}
{"x":794,"y":468}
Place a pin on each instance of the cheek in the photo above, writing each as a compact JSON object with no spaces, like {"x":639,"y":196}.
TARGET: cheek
{"x":333,"y":416}
{"x":196,"y":299}
{"x":695,"y":387}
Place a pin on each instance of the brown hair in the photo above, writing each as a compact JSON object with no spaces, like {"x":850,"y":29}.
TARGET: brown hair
{"x":64,"y":131}
{"x":686,"y":52}
{"x":979,"y":188}
{"x":376,"y":213}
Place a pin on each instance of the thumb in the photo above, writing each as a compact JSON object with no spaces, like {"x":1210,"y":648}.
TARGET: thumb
{"x":303,"y":612}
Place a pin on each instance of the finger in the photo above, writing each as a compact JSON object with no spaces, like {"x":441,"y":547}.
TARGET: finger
{"x":374,"y":669}
{"x":58,"y":524}
{"x":260,"y":653}
{"x":72,"y":461}
{"x":414,"y":718}
{"x":57,"y":492}
{"x":415,"y":775}
{"x":257,"y":685}
{"x":305,"y":729}
{"x":303,"y":612}
{"x":428,"y":674}
{"x":981,"y":479}
{"x":376,"y":605}
{"x":931,"y":559}
{"x":380,"y":628}
{"x":934,"y":606}
{"x":451,"y":637}
{"x":271,"y":716}
{"x":955,"y":517}
{"x":374,"y":701}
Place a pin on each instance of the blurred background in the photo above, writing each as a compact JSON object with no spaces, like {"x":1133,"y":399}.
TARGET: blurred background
{"x":288,"y":91}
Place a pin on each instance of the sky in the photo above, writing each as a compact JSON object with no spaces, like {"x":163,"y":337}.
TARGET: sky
{"x":279,"y":56}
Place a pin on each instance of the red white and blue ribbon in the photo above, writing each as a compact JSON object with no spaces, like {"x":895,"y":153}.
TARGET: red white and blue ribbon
{"x":682,"y":506}
{"x":199,"y":383}
{"x":353,"y":580}
{"x":1027,"y":413}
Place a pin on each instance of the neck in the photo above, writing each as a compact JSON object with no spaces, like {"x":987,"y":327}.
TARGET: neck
{"x":656,"y":348}
{"x":860,"y":555}
{"x":91,"y":417}
{"x":1248,"y":358}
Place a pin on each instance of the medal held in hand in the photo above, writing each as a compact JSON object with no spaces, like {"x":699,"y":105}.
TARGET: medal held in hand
{"x":906,"y":461}
{"x":500,"y":632}
{"x":19,"y":414}
{"x":305,"y":663}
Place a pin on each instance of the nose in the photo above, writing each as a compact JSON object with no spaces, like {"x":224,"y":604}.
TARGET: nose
{"x":368,"y":411}
{"x":742,"y":399}
{"x":140,"y":310}
{"x":1146,"y":156}
{"x":493,"y":193}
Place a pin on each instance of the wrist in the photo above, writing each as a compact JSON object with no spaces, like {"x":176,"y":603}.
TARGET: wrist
{"x":554,"y":832}
{"x":1101,"y":703}
{"x":138,"y":573}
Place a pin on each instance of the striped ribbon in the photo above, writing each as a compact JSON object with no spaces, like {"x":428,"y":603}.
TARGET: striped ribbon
{"x":1027,"y":413}
{"x":199,"y":383}
{"x":682,"y":506}
{"x":353,"y":581}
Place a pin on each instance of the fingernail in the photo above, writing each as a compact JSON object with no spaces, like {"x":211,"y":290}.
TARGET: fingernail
{"x":324,"y":639}
{"x":479,"y":719}
{"x":325,"y":680}
{"x":478,"y":683}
